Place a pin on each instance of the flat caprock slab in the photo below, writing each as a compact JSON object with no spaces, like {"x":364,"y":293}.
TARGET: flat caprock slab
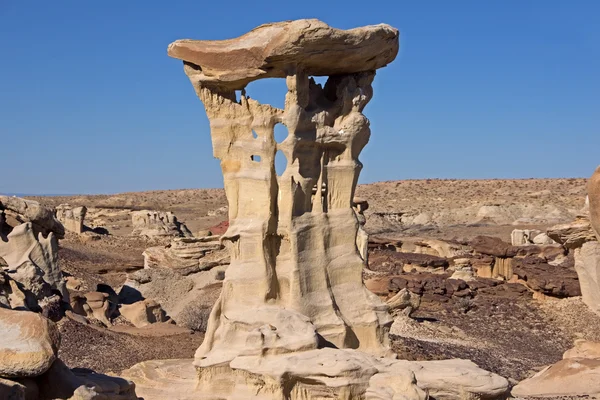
{"x":269,"y":50}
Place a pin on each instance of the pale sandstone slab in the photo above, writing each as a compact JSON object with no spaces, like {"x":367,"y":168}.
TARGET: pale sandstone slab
{"x":594,"y":201}
{"x":568,"y":377}
{"x":583,"y":349}
{"x":33,"y":262}
{"x":72,"y":218}
{"x":587,"y":265}
{"x":23,"y":211}
{"x":316,"y":374}
{"x":269,"y":50}
{"x":573,"y":234}
{"x":28,"y":343}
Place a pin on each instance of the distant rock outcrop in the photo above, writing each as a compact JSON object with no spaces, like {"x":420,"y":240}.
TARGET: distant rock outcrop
{"x":72,"y":218}
{"x":187,"y":255}
{"x":157,"y":223}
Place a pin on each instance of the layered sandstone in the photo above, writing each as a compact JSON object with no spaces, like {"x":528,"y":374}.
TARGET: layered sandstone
{"x":42,"y":219}
{"x":294,"y":319}
{"x":157,"y":223}
{"x":594,"y":201}
{"x":72,"y":218}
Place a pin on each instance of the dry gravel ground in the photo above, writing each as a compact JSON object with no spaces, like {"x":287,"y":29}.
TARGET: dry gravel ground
{"x":505,"y":330}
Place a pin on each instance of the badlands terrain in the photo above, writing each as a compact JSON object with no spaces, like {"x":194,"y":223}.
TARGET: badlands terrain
{"x":507,"y":328}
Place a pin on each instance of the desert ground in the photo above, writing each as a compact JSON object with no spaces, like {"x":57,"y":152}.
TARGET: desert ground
{"x":502,"y":328}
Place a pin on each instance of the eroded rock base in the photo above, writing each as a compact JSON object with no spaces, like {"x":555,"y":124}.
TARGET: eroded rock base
{"x":316,"y":374}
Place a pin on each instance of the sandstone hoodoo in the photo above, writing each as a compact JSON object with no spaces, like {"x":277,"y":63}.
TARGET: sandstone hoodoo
{"x":294,"y":320}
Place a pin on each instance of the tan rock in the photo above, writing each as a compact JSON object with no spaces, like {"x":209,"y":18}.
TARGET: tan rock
{"x":587,"y":265}
{"x":42,"y":219}
{"x":294,"y":283}
{"x":157,"y":223}
{"x":404,"y":300}
{"x":594,"y":201}
{"x":72,"y":218}
{"x":143,"y":313}
{"x":94,"y":304}
{"x":183,"y":254}
{"x":33,"y":262}
{"x":284,"y":212}
{"x":543,"y":240}
{"x":28,"y":344}
{"x":267,"y":51}
{"x":574,"y":234}
{"x":346,"y":374}
{"x":583,"y":349}
{"x":568,"y":377}
{"x":521,"y":237}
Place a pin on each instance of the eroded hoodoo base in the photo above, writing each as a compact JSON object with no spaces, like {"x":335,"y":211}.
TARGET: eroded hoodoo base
{"x":317,"y":374}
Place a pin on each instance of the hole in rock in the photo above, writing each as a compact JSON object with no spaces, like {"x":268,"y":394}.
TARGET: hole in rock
{"x":320,"y":80}
{"x":268,"y":91}
{"x":280,"y":133}
{"x":255,"y":158}
{"x":280,"y":163}
{"x":254,"y":134}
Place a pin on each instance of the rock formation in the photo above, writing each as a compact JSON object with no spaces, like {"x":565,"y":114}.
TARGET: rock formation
{"x":31,"y":370}
{"x":72,"y":218}
{"x":577,"y":374}
{"x":520,"y":237}
{"x":594,"y":201}
{"x":362,"y":237}
{"x":156,"y":223}
{"x":294,"y":320}
{"x":187,"y":255}
{"x":21,"y":211}
{"x":33,"y":264}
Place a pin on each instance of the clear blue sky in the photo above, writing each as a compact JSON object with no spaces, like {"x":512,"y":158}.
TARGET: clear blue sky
{"x":90,"y":102}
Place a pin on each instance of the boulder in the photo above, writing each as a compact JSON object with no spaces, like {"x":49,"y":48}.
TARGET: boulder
{"x":594,"y":201}
{"x":28,"y":344}
{"x":583,"y":349}
{"x":157,"y":223}
{"x":72,"y":218}
{"x":493,"y":246}
{"x":96,"y":305}
{"x":33,"y":263}
{"x":143,"y":313}
{"x":543,"y":239}
{"x":42,"y":219}
{"x":587,"y":265}
{"x":184,"y":254}
{"x":577,"y":374}
{"x":520,"y":237}
{"x":404,"y":301}
{"x":551,"y":280}
{"x":574,"y":234}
